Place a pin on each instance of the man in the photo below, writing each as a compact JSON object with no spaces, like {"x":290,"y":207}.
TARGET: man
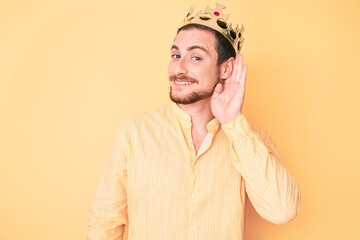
{"x":183,"y":171}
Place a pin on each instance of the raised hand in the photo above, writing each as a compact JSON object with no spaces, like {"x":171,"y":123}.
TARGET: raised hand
{"x":228,"y":98}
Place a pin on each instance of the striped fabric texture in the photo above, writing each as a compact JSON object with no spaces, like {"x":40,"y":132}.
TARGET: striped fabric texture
{"x":156,"y":187}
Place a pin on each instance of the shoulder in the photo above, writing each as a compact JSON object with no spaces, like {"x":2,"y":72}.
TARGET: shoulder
{"x":152,"y":118}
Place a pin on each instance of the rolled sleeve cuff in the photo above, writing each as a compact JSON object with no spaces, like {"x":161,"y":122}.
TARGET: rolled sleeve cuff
{"x":238,"y":128}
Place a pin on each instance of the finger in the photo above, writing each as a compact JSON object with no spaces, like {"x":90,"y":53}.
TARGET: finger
{"x":218,"y":90}
{"x":238,"y":67}
{"x":231,"y":78}
{"x":243,"y":75}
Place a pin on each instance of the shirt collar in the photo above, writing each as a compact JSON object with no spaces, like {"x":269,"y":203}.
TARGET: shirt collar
{"x":185,"y":119}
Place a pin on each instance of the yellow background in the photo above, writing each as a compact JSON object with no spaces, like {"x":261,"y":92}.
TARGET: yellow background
{"x":71,"y":70}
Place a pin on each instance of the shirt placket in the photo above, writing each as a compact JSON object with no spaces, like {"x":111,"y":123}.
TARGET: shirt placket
{"x":193,"y":194}
{"x":194,"y":204}
{"x":196,"y":188}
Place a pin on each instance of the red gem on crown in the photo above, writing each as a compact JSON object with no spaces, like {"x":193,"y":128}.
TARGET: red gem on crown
{"x":216,"y":13}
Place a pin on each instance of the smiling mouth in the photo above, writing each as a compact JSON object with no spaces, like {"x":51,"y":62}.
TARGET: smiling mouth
{"x":183,"y":83}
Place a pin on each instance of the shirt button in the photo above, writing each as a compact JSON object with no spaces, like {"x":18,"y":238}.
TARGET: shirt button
{"x":192,"y":226}
{"x":193,"y":195}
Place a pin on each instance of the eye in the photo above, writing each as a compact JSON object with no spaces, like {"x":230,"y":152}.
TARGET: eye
{"x":196,"y":59}
{"x":175,"y":56}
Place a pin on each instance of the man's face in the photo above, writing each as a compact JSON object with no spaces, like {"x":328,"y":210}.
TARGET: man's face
{"x":193,"y":69}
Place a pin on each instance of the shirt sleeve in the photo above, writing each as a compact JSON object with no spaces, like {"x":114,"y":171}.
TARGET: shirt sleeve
{"x":271,"y":189}
{"x":108,"y":210}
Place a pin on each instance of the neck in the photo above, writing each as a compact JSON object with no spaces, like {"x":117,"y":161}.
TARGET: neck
{"x":199,"y":111}
{"x":201,"y":115}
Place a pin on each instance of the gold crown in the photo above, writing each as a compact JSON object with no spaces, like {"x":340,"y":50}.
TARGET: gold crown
{"x":216,"y":19}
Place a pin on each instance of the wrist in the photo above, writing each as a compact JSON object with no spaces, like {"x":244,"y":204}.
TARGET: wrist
{"x":228,"y":119}
{"x":236,"y":129}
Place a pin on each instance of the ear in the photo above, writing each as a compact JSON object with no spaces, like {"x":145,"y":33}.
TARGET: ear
{"x":226,"y":68}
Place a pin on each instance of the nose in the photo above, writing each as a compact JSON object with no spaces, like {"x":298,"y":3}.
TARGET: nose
{"x":180,"y":66}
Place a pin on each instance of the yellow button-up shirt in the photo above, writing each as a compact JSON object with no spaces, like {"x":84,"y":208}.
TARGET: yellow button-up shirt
{"x":156,"y":187}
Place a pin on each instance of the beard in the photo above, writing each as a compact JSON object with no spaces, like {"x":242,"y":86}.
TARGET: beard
{"x":192,"y":97}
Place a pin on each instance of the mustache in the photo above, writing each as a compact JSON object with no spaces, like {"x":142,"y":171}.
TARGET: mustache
{"x":183,"y":77}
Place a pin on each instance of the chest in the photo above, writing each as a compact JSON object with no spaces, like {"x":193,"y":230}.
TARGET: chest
{"x":168,"y":166}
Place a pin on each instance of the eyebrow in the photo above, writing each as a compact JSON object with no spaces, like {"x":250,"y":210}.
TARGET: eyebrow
{"x":191,"y":48}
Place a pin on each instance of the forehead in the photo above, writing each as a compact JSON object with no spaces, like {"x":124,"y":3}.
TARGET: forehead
{"x":195,"y":37}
